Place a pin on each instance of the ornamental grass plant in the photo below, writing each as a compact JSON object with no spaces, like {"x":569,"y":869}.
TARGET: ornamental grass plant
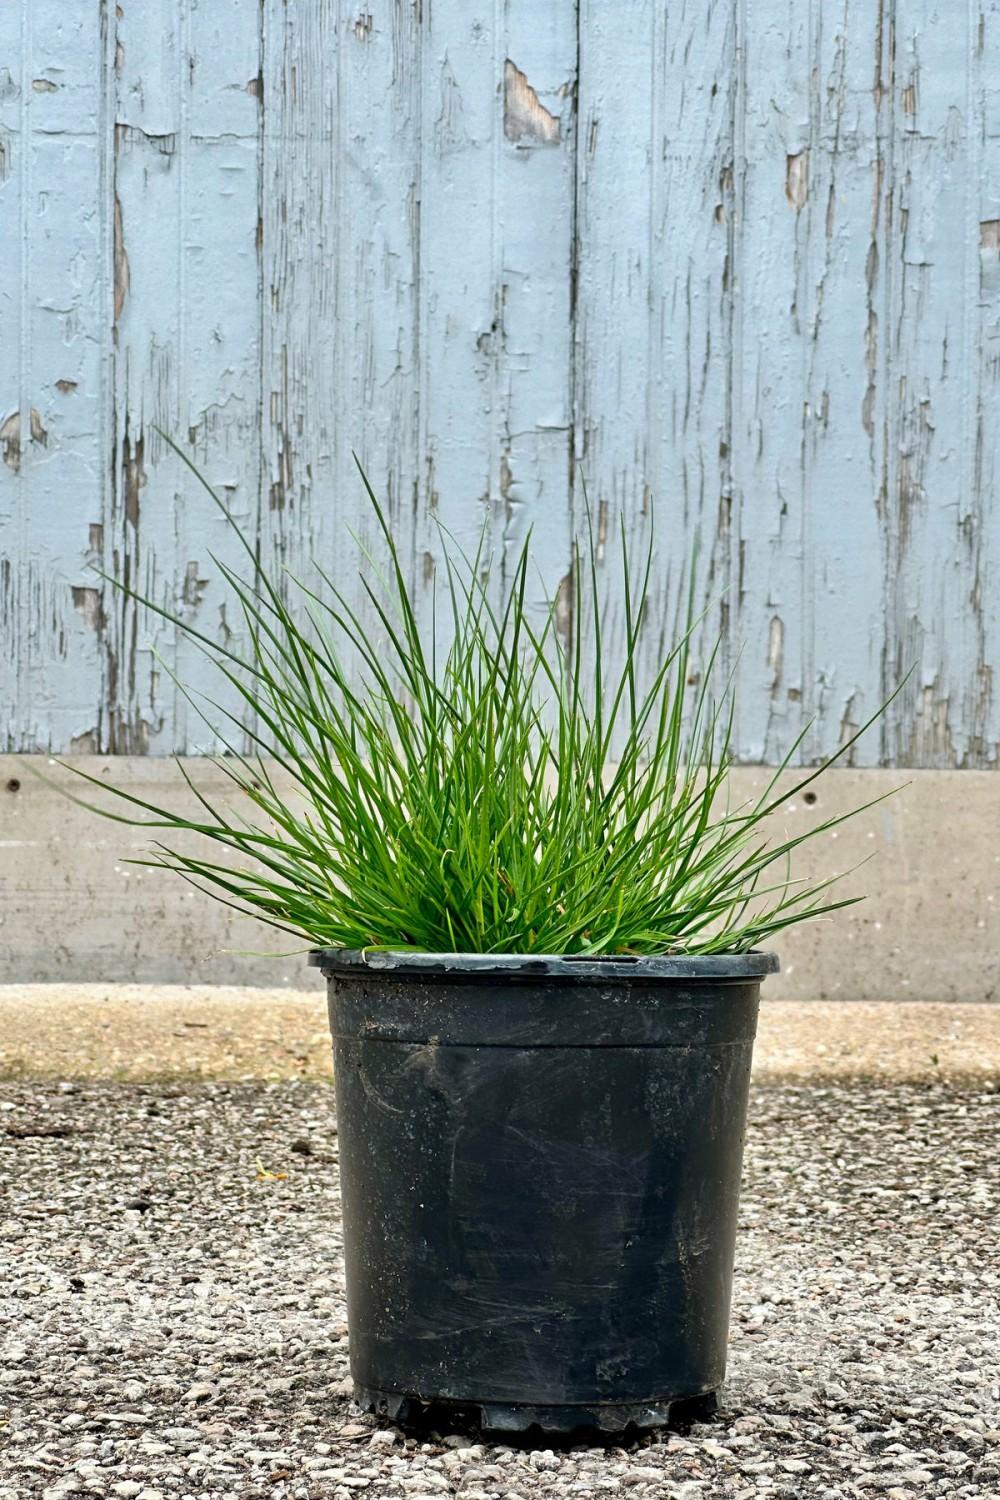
{"x":518,"y":790}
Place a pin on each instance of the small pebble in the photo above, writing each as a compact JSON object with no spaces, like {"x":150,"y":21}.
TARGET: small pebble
{"x":386,"y":1438}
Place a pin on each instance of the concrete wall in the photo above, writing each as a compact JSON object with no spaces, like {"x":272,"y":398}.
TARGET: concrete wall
{"x":742,"y":263}
{"x":72,"y":909}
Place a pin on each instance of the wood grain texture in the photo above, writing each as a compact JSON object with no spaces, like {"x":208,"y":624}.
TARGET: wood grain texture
{"x":735,"y":268}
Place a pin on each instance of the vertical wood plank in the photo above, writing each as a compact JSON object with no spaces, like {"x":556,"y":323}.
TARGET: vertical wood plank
{"x":806,"y":447}
{"x":980,"y":710}
{"x":495,"y":234}
{"x":186,"y":355}
{"x":298,"y":228}
{"x":14,"y":164}
{"x":339,"y":276}
{"x":460,"y":291}
{"x":838,"y":429}
{"x":374,"y":385}
{"x":532,"y":344}
{"x":772,"y":334}
{"x":932,"y":503}
{"x":147,"y":206}
{"x":656,"y":242}
{"x":52,"y":300}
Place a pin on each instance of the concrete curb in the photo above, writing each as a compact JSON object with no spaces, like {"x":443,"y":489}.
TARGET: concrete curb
{"x":71,"y":904}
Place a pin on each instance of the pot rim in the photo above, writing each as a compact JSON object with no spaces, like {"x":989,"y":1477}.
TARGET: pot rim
{"x":402,"y":965}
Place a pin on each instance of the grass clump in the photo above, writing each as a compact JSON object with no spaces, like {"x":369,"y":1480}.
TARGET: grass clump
{"x":512,"y":793}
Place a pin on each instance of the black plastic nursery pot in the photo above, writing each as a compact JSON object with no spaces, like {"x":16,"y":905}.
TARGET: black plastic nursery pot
{"x":540,"y":1169}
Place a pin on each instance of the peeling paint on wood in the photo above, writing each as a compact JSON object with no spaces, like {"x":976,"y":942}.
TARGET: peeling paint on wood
{"x":797,"y":179}
{"x":525,"y":118}
{"x":736,"y":267}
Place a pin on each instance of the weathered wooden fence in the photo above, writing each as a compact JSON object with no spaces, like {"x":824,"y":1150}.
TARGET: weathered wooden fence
{"x":740,"y":263}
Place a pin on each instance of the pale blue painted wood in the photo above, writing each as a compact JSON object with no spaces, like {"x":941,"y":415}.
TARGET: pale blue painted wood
{"x":653,"y":374}
{"x":54,"y":292}
{"x":940,"y":611}
{"x":186,"y":346}
{"x":741,"y":264}
{"x":808,"y":460}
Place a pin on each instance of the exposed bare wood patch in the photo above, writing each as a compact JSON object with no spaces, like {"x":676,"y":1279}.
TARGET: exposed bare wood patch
{"x":281,"y":487}
{"x":44,"y":86}
{"x":603,"y":520}
{"x":88,"y":602}
{"x":363,"y":26}
{"x":871,"y":361}
{"x":931,"y":741}
{"x":506,"y":478}
{"x":797,"y":179}
{"x":163,"y":141}
{"x":10,"y":436}
{"x":88,"y":743}
{"x":194,"y":587}
{"x":989,"y":234}
{"x":776,"y":651}
{"x":564,"y":610}
{"x":121,"y":261}
{"x":849,"y":724}
{"x":65,"y":386}
{"x":134,"y":476}
{"x":525,"y":118}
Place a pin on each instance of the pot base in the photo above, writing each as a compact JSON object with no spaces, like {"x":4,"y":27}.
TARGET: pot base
{"x":505,"y":1417}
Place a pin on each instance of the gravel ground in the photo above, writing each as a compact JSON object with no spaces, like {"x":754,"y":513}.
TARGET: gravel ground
{"x":173,"y":1317}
